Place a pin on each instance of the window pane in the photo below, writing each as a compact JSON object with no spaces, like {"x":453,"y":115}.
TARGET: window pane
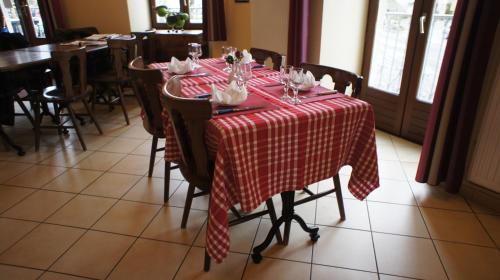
{"x":37,"y":18}
{"x":196,"y":11}
{"x":173,"y":6}
{"x":12,"y":21}
{"x":434,"y":51}
{"x":389,"y":47}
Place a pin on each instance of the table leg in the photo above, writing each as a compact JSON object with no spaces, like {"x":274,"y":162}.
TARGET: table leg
{"x":9,"y":142}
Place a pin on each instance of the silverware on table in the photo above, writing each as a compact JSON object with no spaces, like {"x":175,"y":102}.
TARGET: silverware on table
{"x":194,"y":75}
{"x":273,"y":85}
{"x":233,"y":110}
{"x":320,"y":94}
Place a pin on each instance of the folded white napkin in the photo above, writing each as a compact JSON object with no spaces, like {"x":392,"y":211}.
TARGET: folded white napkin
{"x":180,"y":67}
{"x":98,"y":37}
{"x":232,"y":95}
{"x":247,"y":57}
{"x":309,"y":80}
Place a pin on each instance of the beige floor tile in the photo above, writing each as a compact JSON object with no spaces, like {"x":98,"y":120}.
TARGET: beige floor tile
{"x":386,"y":152}
{"x":66,"y":157}
{"x":11,"y":169}
{"x":73,"y":180}
{"x":469,"y":262}
{"x":272,"y":269}
{"x":492,"y":225}
{"x":41,"y":247}
{"x":132,"y":164}
{"x":166,"y":226}
{"x":407,"y":256}
{"x":299,"y":247}
{"x":356,"y":213}
{"x":320,"y":272}
{"x":58,"y":276}
{"x":391,"y":169}
{"x":397,"y":219}
{"x":36,"y":176}
{"x":127,"y":217}
{"x":121,"y":145}
{"x":13,"y":230}
{"x":148,"y":259}
{"x":159,"y":171}
{"x":344,"y":182}
{"x":112,"y":185}
{"x":35,"y":157}
{"x":145,"y":150}
{"x":136,"y":132}
{"x":101,"y":161}
{"x":390,"y":277}
{"x":393,"y":191}
{"x":241,"y":236}
{"x":82,"y":211}
{"x":9,"y":196}
{"x":410,"y":169}
{"x":94,"y":255}
{"x":192,"y":268}
{"x":307,"y":210}
{"x":345,"y":248}
{"x":437,"y":197}
{"x":455,"y":226}
{"x":482,"y":209}
{"x":93,"y":142}
{"x":383,"y":138}
{"x":109,"y":129}
{"x":38,"y":206}
{"x":8,"y":272}
{"x":150,"y":190}
{"x":175,"y":174}
{"x":407,"y":151}
{"x":178,"y":199}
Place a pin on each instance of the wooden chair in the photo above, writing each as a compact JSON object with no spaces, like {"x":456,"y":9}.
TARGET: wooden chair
{"x":71,"y":76}
{"x":123,"y":51}
{"x":146,"y":45}
{"x":341,"y":78}
{"x":188,"y":118}
{"x":147,"y":87}
{"x":69,"y":34}
{"x":260,"y":55}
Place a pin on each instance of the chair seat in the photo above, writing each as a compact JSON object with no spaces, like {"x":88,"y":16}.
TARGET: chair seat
{"x":54,"y":94}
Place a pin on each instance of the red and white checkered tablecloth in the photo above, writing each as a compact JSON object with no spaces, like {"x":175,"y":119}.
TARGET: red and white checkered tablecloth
{"x":261,"y":154}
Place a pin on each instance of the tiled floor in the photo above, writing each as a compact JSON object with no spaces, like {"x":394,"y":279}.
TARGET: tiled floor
{"x":69,"y":214}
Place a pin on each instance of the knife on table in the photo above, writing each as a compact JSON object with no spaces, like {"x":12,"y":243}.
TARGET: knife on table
{"x":193,"y":75}
{"x":320,"y":94}
{"x":233,"y":110}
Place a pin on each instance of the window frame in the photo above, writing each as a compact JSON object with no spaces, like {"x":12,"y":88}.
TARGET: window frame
{"x":184,"y":4}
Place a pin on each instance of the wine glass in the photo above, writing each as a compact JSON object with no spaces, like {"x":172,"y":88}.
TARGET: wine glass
{"x":284,"y":74}
{"x":194,"y":50}
{"x":296,"y":79}
{"x":245,"y":70}
{"x":198,"y":51}
{"x":226,"y":51}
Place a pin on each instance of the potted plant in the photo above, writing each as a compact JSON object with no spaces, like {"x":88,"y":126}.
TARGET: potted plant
{"x":172,"y":19}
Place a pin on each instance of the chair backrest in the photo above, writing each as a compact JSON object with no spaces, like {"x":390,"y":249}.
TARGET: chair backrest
{"x":123,"y":50}
{"x":341,"y":78}
{"x":146,"y":45}
{"x":188,"y":118}
{"x":63,"y":35}
{"x":11,"y":41}
{"x":147,"y":87}
{"x":260,"y":55}
{"x":72,"y":74}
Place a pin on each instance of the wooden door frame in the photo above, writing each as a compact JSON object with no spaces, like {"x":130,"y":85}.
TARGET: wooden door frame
{"x":378,"y":98}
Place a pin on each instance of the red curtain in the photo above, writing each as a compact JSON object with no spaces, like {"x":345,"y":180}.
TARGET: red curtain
{"x":298,"y":31}
{"x":464,"y":108}
{"x":214,"y":20}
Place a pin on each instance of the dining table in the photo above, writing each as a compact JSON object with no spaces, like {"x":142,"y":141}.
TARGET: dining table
{"x":275,"y":147}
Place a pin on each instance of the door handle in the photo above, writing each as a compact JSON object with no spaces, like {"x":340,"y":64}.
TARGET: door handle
{"x":422,"y":23}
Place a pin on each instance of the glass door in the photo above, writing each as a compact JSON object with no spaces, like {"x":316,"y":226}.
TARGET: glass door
{"x":405,"y":45}
{"x":25,"y":17}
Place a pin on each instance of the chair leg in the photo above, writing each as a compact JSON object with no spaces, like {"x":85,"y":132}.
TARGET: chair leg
{"x":187,"y":206}
{"x":166,"y":182}
{"x":206,"y":263}
{"x":25,"y":109}
{"x":274,"y":219}
{"x":92,"y":117}
{"x":338,"y":194}
{"x":57,"y":114}
{"x":75,"y":125}
{"x":152,"y":156}
{"x":122,"y":103}
{"x":38,"y":120}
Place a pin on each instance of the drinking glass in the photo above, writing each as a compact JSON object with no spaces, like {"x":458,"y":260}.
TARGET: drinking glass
{"x":296,"y":79}
{"x":199,"y":52}
{"x":284,"y":74}
{"x":194,"y":50}
{"x":226,"y":51}
{"x":245,"y":72}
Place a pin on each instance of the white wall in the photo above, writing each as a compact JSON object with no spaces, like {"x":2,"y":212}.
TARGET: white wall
{"x":139,"y":15}
{"x":269,"y":29}
{"x":343,"y":33}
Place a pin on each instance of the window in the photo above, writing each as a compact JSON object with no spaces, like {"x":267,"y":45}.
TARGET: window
{"x":193,"y":7}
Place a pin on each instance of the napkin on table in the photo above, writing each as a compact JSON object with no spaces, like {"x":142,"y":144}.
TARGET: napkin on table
{"x":232,"y":95}
{"x":309,"y":80}
{"x":247,"y":57}
{"x":180,"y":67}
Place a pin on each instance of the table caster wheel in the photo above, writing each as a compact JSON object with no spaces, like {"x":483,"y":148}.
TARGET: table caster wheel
{"x":256,"y":258}
{"x":314,"y":236}
{"x":21,"y":153}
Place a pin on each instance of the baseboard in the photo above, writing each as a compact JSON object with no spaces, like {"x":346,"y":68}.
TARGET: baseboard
{"x":480,"y":195}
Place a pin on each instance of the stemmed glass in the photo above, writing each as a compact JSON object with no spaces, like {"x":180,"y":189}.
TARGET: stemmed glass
{"x":226,"y":51}
{"x":245,"y":72}
{"x":296,"y":79}
{"x":194,"y":50}
{"x":284,"y":75}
